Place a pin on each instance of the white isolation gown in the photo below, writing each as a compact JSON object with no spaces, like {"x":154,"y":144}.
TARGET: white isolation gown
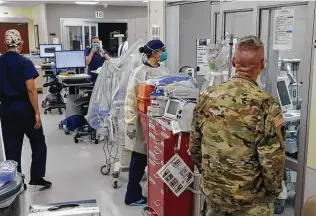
{"x":134,"y":138}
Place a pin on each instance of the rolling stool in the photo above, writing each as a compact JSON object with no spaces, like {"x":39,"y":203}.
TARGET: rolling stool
{"x":86,"y":129}
{"x":53,"y":100}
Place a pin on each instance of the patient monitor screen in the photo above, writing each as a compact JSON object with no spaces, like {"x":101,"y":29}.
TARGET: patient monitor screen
{"x":48,"y":50}
{"x":70,"y":59}
{"x":283,"y":93}
{"x":173,"y":107}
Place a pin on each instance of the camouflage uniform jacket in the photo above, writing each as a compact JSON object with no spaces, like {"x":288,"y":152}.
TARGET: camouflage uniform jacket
{"x":237,"y":143}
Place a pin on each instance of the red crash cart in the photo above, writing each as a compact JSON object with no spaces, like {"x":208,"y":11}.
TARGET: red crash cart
{"x":161,"y":148}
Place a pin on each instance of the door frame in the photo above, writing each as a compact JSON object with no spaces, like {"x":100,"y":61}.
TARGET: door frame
{"x":300,"y":165}
{"x":84,"y":22}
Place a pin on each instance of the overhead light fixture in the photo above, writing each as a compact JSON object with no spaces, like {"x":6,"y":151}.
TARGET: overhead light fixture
{"x":145,"y":1}
{"x":1,"y":2}
{"x":87,"y":3}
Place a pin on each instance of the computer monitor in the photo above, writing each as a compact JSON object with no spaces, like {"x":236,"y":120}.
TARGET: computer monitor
{"x":284,"y":94}
{"x":48,"y":50}
{"x":70,"y":59}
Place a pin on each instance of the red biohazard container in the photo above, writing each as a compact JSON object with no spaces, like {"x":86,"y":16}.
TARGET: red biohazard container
{"x":144,"y":91}
{"x":143,"y":105}
{"x":143,"y":97}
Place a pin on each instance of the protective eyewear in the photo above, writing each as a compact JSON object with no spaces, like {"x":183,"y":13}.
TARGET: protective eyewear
{"x":163,"y":49}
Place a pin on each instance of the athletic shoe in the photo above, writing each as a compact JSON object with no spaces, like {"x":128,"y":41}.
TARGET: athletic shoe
{"x":141,"y":202}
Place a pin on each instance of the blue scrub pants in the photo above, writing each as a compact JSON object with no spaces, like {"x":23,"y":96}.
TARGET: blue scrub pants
{"x":17,"y":119}
{"x":136,"y":173}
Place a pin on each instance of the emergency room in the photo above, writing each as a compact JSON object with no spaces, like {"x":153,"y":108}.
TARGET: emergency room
{"x":118,"y":83}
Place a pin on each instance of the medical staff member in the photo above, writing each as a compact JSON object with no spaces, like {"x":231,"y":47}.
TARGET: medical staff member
{"x":95,"y":57}
{"x":19,"y":111}
{"x":134,"y":141}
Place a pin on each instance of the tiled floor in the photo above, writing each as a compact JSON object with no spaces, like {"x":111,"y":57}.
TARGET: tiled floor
{"x":74,"y":170}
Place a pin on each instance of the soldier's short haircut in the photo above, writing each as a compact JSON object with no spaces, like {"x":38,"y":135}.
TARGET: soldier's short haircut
{"x":250,"y":43}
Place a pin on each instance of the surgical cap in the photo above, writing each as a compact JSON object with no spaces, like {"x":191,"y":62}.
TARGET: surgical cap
{"x":13,"y":37}
{"x":153,"y":45}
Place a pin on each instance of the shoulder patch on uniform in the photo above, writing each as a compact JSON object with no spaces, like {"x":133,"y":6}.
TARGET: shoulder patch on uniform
{"x":279,"y":120}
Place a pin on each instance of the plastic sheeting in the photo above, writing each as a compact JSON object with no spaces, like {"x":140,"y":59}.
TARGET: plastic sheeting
{"x":9,"y":203}
{"x":219,"y":62}
{"x":109,"y":92}
{"x":8,"y":171}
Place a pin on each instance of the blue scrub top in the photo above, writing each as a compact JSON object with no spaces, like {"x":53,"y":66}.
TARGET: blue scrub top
{"x":15,"y":70}
{"x":96,"y":61}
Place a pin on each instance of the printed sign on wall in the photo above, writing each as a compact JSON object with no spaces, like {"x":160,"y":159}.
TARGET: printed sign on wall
{"x":202,"y":48}
{"x":283,"y":29}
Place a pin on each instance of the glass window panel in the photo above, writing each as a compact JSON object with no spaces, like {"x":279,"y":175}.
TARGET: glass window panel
{"x":87,"y":36}
{"x":217,"y":28}
{"x":264,"y":35}
{"x":75,"y":37}
{"x":286,"y":63}
{"x":239,"y":23}
{"x":93,"y":30}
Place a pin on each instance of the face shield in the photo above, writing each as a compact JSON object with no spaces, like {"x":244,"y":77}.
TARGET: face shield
{"x":163,"y":55}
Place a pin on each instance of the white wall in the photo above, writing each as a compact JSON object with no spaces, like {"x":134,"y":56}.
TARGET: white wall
{"x":40,"y":19}
{"x":19,"y":15}
{"x":195,"y":23}
{"x":11,"y":12}
{"x":157,"y":16}
{"x":173,"y":38}
{"x":57,"y":11}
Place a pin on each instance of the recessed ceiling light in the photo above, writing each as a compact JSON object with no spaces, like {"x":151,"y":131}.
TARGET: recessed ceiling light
{"x":1,"y":2}
{"x":87,"y":3}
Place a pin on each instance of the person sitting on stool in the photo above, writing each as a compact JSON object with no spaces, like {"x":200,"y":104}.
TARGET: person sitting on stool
{"x":95,"y":57}
{"x":19,"y":111}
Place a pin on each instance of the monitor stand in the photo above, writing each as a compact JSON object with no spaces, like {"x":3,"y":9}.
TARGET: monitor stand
{"x":48,"y":60}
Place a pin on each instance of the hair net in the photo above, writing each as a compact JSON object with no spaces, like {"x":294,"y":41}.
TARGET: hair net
{"x":13,"y":37}
{"x":153,"y":45}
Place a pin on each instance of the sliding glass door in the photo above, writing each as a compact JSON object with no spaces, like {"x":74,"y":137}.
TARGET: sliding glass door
{"x":76,"y":35}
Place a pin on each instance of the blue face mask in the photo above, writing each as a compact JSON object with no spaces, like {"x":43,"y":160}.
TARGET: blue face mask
{"x":163,"y":57}
{"x":95,"y":45}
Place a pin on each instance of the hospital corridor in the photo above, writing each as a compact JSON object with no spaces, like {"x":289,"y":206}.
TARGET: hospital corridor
{"x":74,"y":170}
{"x":157,"y":108}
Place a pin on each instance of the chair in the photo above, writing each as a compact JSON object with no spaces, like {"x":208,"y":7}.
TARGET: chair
{"x":53,"y":100}
{"x":309,"y":208}
{"x":83,"y":103}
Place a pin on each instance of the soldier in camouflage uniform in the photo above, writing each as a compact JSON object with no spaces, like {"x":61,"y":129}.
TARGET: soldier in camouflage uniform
{"x":237,"y":140}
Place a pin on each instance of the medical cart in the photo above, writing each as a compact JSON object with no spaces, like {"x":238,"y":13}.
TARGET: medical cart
{"x":162,"y":147}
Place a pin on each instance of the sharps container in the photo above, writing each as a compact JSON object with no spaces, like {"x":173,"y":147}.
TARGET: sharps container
{"x":10,"y":197}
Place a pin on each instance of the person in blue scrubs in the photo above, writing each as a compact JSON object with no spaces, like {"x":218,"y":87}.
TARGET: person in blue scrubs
{"x":19,"y":110}
{"x":95,"y":57}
